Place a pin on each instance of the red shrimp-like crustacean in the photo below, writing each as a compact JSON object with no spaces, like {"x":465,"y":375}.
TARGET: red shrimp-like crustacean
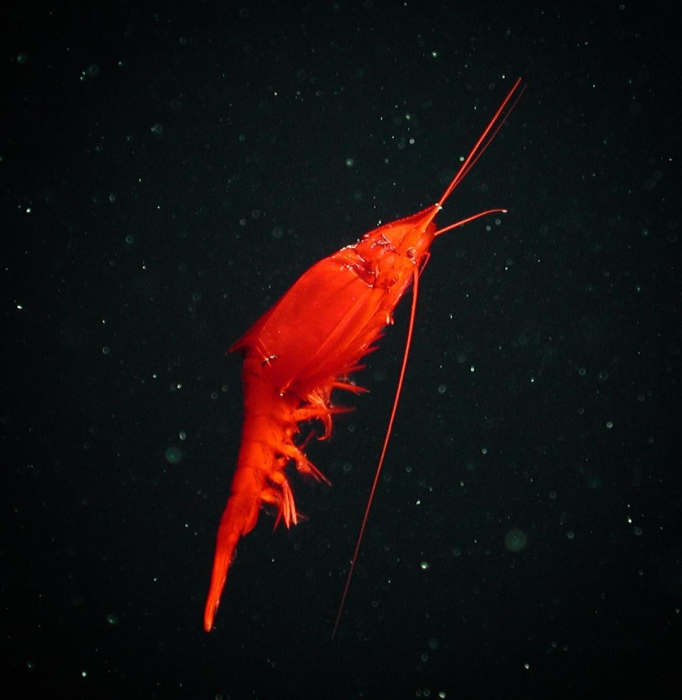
{"x":307,"y":345}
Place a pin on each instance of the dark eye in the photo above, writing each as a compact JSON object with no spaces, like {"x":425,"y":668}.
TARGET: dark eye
{"x":411,"y":253}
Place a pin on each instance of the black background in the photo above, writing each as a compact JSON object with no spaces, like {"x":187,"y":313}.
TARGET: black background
{"x":168,"y":170}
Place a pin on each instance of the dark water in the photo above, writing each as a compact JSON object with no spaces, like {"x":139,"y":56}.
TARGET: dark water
{"x":167,"y":173}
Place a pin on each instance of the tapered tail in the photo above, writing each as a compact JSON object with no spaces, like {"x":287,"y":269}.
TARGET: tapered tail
{"x":238,"y":518}
{"x":223,"y":557}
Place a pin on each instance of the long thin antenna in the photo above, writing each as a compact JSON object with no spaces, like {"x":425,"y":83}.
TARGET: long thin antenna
{"x":384,"y":449}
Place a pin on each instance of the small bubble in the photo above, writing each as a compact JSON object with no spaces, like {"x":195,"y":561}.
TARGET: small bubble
{"x":442,"y":389}
{"x":425,"y":566}
{"x":350,"y":162}
{"x":173,"y":455}
{"x":112,"y":619}
{"x":515,"y":540}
